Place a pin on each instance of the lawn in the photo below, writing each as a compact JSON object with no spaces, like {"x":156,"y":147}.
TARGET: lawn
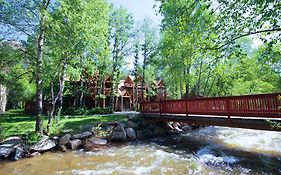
{"x":15,"y":122}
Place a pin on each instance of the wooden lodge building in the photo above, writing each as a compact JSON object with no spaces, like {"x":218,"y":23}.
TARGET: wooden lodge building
{"x":127,"y":96}
{"x":129,"y":93}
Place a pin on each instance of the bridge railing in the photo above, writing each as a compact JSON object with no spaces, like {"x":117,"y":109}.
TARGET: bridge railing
{"x":262,"y":105}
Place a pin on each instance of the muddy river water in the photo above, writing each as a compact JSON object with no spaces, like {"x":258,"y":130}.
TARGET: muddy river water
{"x":210,"y":150}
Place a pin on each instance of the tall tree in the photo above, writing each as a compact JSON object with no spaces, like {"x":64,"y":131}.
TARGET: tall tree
{"x":149,"y":47}
{"x":29,"y":17}
{"x":74,"y":44}
{"x":120,"y":28}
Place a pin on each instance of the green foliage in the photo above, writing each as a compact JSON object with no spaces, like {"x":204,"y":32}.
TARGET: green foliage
{"x":100,"y":132}
{"x":205,"y":49}
{"x":32,"y":138}
{"x":56,"y":128}
{"x":120,"y":31}
{"x":86,"y":111}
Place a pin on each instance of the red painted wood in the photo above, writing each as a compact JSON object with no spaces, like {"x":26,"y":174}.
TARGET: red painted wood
{"x":262,"y":105}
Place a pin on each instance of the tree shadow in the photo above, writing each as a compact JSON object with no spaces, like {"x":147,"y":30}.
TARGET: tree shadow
{"x":16,"y":117}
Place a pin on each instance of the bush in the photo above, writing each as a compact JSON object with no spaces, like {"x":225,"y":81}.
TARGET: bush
{"x":86,"y":111}
{"x":32,"y":138}
{"x":99,"y":110}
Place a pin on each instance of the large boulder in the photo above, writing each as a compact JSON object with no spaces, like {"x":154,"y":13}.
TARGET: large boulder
{"x":94,"y":144}
{"x":118,"y":133}
{"x":131,"y":133}
{"x":75,"y":144}
{"x":147,"y":133}
{"x":82,"y":135}
{"x":64,"y":140}
{"x":9,"y":146}
{"x":159,"y":131}
{"x":132,"y":124}
{"x":18,"y":153}
{"x":87,"y":128}
{"x":140,"y":135}
{"x":43,"y":145}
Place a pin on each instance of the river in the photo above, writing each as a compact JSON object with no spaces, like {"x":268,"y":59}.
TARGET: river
{"x":209,"y":150}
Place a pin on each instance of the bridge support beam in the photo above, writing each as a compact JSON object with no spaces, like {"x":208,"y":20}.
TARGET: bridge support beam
{"x":260,"y":124}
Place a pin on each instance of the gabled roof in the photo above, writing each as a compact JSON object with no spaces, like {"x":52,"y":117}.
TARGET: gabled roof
{"x":108,"y":79}
{"x":125,"y":93}
{"x":129,"y":79}
{"x":160,"y":83}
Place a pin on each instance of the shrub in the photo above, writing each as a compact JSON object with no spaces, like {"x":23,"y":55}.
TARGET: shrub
{"x":99,"y":110}
{"x":32,"y":138}
{"x":86,"y":111}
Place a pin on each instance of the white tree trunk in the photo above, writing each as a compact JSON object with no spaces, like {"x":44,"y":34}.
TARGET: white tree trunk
{"x":3,"y":98}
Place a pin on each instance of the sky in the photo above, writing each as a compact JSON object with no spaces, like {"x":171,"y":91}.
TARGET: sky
{"x":139,"y":9}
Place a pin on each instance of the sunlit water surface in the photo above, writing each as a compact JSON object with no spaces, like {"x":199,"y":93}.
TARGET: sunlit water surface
{"x":210,"y":150}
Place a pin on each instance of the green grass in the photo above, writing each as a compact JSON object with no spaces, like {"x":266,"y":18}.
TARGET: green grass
{"x":15,"y":122}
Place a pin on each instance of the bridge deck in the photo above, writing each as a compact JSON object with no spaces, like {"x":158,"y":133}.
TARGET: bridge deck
{"x":252,"y":112}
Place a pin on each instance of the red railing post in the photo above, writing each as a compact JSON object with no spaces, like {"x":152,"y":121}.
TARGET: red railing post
{"x":228,"y":109}
{"x":186,"y":107}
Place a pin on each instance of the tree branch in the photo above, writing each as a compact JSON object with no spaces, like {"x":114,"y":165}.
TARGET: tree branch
{"x":250,"y":33}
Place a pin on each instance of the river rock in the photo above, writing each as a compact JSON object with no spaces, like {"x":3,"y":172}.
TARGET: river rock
{"x":64,"y":140}
{"x":132,"y":124}
{"x":8,"y":146}
{"x":82,"y":135}
{"x":118,"y":133}
{"x":18,"y":153}
{"x":159,"y":131}
{"x":94,"y":144}
{"x":147,"y":133}
{"x":186,"y":128}
{"x":114,"y":123}
{"x":35,"y":154}
{"x":43,"y":145}
{"x":63,"y":148}
{"x":131,"y":133}
{"x":75,"y":144}
{"x":140,"y":135}
{"x":87,"y":128}
{"x":66,"y":131}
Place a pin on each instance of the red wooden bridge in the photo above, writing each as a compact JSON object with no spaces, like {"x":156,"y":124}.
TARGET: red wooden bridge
{"x":249,"y":111}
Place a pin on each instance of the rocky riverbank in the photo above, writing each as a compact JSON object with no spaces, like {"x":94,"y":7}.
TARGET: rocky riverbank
{"x":90,"y":138}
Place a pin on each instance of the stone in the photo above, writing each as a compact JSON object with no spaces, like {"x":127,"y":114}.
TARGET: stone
{"x":87,"y":128}
{"x":8,"y":146}
{"x":131,"y":133}
{"x":118,"y":133}
{"x":159,"y":131}
{"x":75,"y":144}
{"x":114,"y":123}
{"x":35,"y":154}
{"x":18,"y":153}
{"x":66,"y":131}
{"x":132,"y":124}
{"x":82,"y":135}
{"x":176,"y":128}
{"x":147,"y":133}
{"x":186,"y":128}
{"x":63,"y":148}
{"x":64,"y":140}
{"x":94,"y":144}
{"x":43,"y":145}
{"x":140,"y":135}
